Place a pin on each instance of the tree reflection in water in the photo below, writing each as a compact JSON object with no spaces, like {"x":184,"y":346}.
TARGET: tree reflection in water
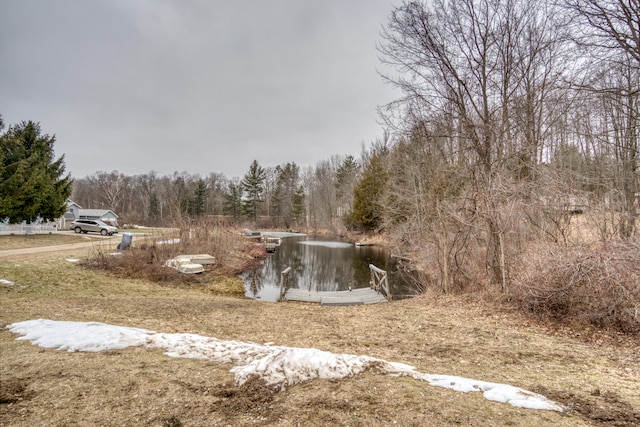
{"x":322,"y":265}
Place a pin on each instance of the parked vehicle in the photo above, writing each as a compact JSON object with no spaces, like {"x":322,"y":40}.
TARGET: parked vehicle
{"x":86,"y":225}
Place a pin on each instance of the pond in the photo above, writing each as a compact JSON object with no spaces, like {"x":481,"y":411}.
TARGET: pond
{"x":323,"y":264}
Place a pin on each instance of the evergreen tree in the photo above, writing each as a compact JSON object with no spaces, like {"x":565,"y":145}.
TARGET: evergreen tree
{"x":198,"y":203}
{"x":286,"y":186}
{"x":31,"y":179}
{"x":253,"y":187}
{"x":299,"y":210}
{"x":367,"y":210}
{"x":346,"y":178}
{"x":233,"y":199}
{"x":154,"y":206}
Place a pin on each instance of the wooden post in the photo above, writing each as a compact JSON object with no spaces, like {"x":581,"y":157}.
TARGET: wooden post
{"x":284,"y":277}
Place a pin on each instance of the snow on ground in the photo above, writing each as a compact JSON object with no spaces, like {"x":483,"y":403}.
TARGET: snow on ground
{"x":279,"y":366}
{"x":4,"y":282}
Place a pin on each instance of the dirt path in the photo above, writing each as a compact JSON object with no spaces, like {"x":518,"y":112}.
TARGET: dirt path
{"x":101,"y":242}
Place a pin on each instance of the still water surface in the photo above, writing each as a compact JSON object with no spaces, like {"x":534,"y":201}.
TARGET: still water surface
{"x":322,"y":264}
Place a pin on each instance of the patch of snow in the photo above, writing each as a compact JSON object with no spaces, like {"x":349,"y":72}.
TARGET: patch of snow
{"x":496,"y":392}
{"x":4,"y":282}
{"x":78,"y":336}
{"x":279,"y":366}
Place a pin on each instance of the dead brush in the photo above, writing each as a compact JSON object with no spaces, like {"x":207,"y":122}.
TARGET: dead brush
{"x":146,"y":260}
{"x":597,"y":285}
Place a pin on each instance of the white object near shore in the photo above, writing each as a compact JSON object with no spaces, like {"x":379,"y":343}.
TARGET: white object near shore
{"x":202,"y":259}
{"x":190,"y":264}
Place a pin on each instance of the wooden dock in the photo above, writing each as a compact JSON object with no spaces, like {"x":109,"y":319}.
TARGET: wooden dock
{"x":353,"y":297}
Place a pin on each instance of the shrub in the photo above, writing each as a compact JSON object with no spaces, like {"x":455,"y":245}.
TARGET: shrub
{"x":598,"y":285}
{"x":146,"y":258}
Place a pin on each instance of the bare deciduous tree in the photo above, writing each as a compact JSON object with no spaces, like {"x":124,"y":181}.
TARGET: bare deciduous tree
{"x":482,"y":73}
{"x":611,"y":24}
{"x":611,"y":29}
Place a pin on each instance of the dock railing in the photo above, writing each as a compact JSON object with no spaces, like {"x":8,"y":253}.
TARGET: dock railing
{"x":379,"y":281}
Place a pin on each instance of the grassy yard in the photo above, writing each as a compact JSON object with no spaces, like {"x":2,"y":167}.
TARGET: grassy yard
{"x":595,"y":375}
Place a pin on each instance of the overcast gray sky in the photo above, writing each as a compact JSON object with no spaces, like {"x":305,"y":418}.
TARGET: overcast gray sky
{"x":194,"y":85}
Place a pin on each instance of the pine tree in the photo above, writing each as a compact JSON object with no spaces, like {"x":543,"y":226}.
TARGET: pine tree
{"x":299,"y":210}
{"x":154,"y":206}
{"x":346,"y":178}
{"x":31,"y":180}
{"x":233,"y":199}
{"x":286,"y":186}
{"x":198,"y":202}
{"x":253,"y":186}
{"x":367,"y":210}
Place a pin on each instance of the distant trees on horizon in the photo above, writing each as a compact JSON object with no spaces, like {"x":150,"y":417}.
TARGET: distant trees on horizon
{"x":272,"y":196}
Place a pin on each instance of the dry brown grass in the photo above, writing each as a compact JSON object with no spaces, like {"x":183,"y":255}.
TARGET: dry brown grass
{"x":146,"y":258}
{"x":597,"y":379}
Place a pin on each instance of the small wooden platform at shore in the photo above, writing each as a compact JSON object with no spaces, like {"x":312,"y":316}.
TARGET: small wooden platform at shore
{"x":353,"y":297}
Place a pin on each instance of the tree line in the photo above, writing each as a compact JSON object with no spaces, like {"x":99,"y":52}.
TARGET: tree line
{"x":274,"y":196}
